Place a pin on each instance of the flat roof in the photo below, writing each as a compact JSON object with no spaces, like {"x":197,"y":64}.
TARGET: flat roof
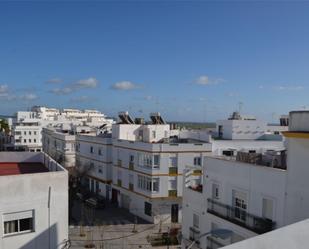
{"x":11,"y":168}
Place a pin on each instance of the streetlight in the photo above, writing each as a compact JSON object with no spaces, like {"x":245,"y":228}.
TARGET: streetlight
{"x":220,"y":233}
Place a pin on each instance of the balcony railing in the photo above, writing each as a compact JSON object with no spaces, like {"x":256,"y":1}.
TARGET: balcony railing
{"x":173,"y":170}
{"x":172,"y":193}
{"x":240,"y":217}
{"x":212,"y":243}
{"x":119,"y":183}
{"x":131,"y":165}
{"x":131,"y":186}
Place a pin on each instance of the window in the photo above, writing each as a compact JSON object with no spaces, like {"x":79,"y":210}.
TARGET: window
{"x":240,"y":205}
{"x":34,"y":140}
{"x":34,"y":132}
{"x":153,"y":134}
{"x":215,"y":191}
{"x":197,"y":161}
{"x":25,"y":133}
{"x":227,"y":153}
{"x":131,"y":158}
{"x":100,"y":152}
{"x":155,"y":184}
{"x":29,"y":140}
{"x":17,"y":133}
{"x":100,"y":169}
{"x":25,"y":140}
{"x":20,"y":222}
{"x":148,"y":208}
{"x":131,"y":179}
{"x":196,"y":222}
{"x":91,"y":149}
{"x":173,"y":161}
{"x":29,"y":132}
{"x":267,"y":210}
{"x":156,"y":161}
{"x":148,"y":184}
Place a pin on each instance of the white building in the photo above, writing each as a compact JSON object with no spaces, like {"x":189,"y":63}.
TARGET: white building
{"x":33,"y":201}
{"x":247,"y":127}
{"x":291,"y":236}
{"x":251,"y":193}
{"x":60,"y":145}
{"x":94,"y":162}
{"x":27,"y":127}
{"x":148,"y":161}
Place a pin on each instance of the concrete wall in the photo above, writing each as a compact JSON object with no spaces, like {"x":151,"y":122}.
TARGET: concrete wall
{"x":293,"y":236}
{"x":242,"y":129}
{"x":30,"y":192}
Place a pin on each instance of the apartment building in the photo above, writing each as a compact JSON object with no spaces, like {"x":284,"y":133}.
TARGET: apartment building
{"x":94,"y":162}
{"x":60,"y":145}
{"x":33,"y":201}
{"x":27,"y":126}
{"x":251,"y":193}
{"x":148,"y":161}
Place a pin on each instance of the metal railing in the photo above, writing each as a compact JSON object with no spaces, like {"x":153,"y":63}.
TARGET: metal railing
{"x":119,"y":183}
{"x":172,"y":193}
{"x":131,"y":165}
{"x":240,"y":217}
{"x":212,"y":243}
{"x":172,"y":170}
{"x":131,"y":186}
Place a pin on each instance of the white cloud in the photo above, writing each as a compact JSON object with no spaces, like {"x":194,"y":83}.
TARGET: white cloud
{"x":86,"y":83}
{"x":76,"y":86}
{"x":54,"y":81}
{"x":125,"y":86}
{"x":4,"y":88}
{"x":289,"y":88}
{"x":29,"y":97}
{"x":80,"y":99}
{"x":148,"y":97}
{"x":205,"y":80}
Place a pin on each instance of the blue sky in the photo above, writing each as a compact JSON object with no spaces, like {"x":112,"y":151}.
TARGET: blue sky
{"x":189,"y":60}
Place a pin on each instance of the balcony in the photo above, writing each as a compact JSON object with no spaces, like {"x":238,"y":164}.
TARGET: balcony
{"x":131,"y":186}
{"x":239,"y":217}
{"x":119,"y":183}
{"x":131,"y":165}
{"x":172,"y":193}
{"x":212,"y":243}
{"x":173,"y":170}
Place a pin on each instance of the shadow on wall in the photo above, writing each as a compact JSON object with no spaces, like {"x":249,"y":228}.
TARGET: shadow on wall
{"x":45,"y":240}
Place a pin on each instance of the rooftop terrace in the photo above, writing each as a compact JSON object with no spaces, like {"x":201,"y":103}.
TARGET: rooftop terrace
{"x":15,"y":168}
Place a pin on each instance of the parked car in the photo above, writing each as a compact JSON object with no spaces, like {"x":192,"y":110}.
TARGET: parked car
{"x":95,"y":202}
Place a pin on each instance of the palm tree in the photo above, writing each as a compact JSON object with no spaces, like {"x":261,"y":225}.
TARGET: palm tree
{"x":4,"y":126}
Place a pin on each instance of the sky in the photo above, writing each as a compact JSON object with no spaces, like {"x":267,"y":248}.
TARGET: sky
{"x":190,"y":60}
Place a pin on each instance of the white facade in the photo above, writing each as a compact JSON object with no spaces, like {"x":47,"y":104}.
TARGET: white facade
{"x":292,"y":236}
{"x":251,"y":198}
{"x":33,"y":206}
{"x":94,"y":162}
{"x":242,"y":127}
{"x":147,"y":169}
{"x":60,"y":145}
{"x":27,"y":127}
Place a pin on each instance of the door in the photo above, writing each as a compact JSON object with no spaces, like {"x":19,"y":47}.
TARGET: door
{"x":240,"y":205}
{"x":174,"y":213}
{"x":115,"y":196}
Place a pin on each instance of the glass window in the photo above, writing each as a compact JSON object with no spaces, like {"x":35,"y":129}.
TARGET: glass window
{"x":196,"y":222}
{"x":156,"y":161}
{"x":148,"y":209}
